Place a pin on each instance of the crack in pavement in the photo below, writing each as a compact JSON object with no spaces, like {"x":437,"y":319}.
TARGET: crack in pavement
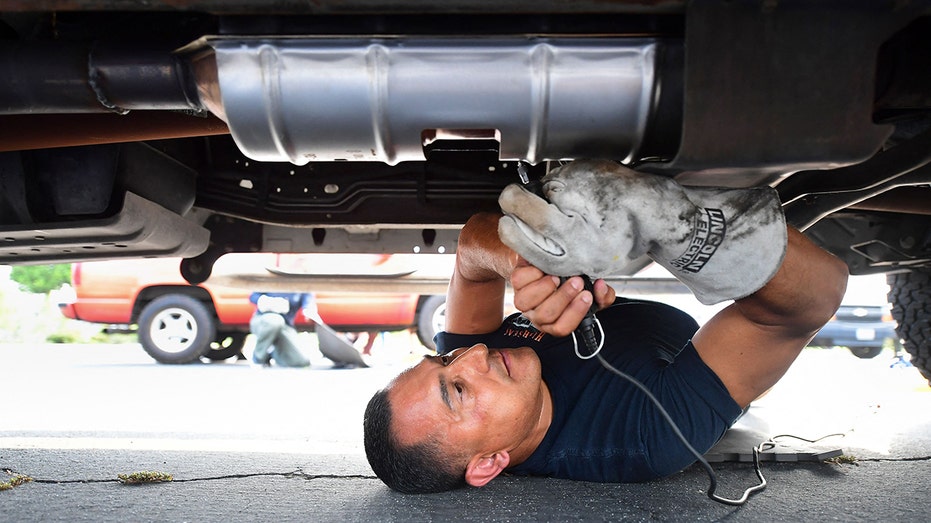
{"x":895,"y":460}
{"x":291,"y":474}
{"x":309,"y":477}
{"x":296,"y":474}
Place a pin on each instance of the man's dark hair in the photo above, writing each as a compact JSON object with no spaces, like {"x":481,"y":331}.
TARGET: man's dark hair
{"x":422,"y":468}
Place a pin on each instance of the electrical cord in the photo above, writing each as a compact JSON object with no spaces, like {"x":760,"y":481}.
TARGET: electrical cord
{"x":771,"y":442}
{"x":594,"y":343}
{"x":586,"y":330}
{"x":698,"y":456}
{"x":712,"y":477}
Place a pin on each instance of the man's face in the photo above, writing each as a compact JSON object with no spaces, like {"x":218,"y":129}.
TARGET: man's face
{"x":474,"y":399}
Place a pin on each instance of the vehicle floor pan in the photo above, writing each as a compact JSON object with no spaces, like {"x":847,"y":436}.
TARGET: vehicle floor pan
{"x":140,"y":228}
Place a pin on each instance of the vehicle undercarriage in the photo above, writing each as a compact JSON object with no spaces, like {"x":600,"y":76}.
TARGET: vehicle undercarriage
{"x":203,"y":127}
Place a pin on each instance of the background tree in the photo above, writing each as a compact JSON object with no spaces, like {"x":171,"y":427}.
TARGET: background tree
{"x":41,"y":279}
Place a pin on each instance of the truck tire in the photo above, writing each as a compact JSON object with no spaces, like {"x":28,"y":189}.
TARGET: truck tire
{"x":866,"y":352}
{"x":176,"y":329}
{"x":226,"y":345}
{"x":910,"y":296}
{"x":431,"y":318}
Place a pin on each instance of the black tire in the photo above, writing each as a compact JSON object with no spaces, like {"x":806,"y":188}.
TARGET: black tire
{"x":866,"y":352}
{"x":226,"y":345}
{"x":431,"y":319}
{"x":910,"y":296}
{"x":176,"y":329}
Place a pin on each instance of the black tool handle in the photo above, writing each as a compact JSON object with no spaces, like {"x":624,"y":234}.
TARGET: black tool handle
{"x":586,"y":331}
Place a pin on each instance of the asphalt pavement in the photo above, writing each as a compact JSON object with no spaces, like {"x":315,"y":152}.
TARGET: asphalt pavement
{"x":249,"y":444}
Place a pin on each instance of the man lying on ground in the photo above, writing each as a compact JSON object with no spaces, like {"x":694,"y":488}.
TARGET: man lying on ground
{"x":514,"y":397}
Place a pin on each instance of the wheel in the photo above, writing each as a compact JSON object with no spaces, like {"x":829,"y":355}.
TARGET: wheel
{"x":910,"y":296}
{"x":226,"y":345}
{"x":431,"y":319}
{"x":176,"y":329}
{"x":866,"y":352}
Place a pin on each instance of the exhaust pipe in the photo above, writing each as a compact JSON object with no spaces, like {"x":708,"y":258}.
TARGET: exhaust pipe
{"x":66,"y":78}
{"x":330,"y":99}
{"x":61,"y":95}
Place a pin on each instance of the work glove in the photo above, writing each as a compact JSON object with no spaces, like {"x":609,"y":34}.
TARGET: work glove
{"x":723,"y":244}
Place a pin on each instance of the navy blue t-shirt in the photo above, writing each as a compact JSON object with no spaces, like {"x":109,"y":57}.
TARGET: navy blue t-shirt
{"x":604,"y":428}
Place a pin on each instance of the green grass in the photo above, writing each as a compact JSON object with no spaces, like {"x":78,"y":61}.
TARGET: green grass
{"x":146,"y":476}
{"x":15,"y":481}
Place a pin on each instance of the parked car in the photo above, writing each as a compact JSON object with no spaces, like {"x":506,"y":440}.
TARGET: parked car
{"x":863,"y":323}
{"x":179,"y":323}
{"x":194,"y":128}
{"x":863,"y":329}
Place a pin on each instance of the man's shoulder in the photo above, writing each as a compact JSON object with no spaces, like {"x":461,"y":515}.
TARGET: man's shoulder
{"x":632,"y":309}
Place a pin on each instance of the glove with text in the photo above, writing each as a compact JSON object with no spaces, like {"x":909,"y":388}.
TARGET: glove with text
{"x":723,"y":244}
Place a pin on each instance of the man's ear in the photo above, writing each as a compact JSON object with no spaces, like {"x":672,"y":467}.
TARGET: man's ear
{"x":482,"y":469}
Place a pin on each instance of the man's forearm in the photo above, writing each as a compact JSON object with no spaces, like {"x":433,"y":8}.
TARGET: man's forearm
{"x":480,"y":254}
{"x":475,"y":299}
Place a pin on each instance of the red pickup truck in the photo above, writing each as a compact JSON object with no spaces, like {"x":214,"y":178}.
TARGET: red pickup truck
{"x":180,"y":323}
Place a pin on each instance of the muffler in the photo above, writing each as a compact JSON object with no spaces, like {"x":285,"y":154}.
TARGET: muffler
{"x":330,"y":99}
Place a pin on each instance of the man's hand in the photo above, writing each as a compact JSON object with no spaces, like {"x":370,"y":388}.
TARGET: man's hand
{"x":553,"y":308}
{"x":475,"y":299}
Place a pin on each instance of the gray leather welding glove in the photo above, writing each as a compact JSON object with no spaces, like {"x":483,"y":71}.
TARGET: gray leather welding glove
{"x":723,"y":244}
